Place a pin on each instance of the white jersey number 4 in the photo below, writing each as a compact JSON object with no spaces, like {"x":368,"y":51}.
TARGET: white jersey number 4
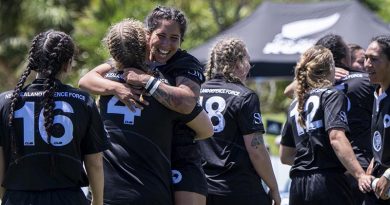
{"x":128,"y":115}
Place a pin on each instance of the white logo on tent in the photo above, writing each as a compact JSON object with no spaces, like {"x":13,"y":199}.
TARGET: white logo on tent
{"x":291,"y":39}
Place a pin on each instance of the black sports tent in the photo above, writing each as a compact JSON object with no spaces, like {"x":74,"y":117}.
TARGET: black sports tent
{"x":276,"y":33}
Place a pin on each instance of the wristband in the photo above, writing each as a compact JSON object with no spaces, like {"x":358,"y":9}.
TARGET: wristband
{"x":387,"y":174}
{"x":152,"y":84}
{"x":154,"y":88}
{"x":149,"y":82}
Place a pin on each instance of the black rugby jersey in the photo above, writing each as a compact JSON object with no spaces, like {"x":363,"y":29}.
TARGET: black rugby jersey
{"x":359,"y":91}
{"x":234,"y":111}
{"x":182,"y":64}
{"x":137,"y":165}
{"x":380,"y":131}
{"x":78,"y":130}
{"x":324,"y":109}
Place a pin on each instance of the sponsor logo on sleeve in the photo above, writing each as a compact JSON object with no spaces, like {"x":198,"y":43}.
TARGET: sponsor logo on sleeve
{"x":257,"y":118}
{"x":196,"y":74}
{"x":176,"y":176}
{"x":386,"y":121}
{"x":343,"y":116}
{"x":377,"y":141}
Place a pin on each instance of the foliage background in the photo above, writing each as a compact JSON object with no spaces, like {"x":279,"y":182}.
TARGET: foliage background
{"x":88,"y":20}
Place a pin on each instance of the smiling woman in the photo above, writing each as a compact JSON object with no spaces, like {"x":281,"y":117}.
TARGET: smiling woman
{"x":377,"y":63}
{"x":164,"y":41}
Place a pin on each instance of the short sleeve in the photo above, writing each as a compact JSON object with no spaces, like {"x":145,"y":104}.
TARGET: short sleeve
{"x":96,"y":138}
{"x":188,"y":67}
{"x":287,"y":135}
{"x":2,"y":120}
{"x":195,"y":112}
{"x":335,"y":110}
{"x":3,"y":117}
{"x":249,"y":116}
{"x":194,"y":75}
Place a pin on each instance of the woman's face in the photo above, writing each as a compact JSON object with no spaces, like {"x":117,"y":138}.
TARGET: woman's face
{"x":164,"y":41}
{"x":377,"y":65}
{"x":358,"y":60}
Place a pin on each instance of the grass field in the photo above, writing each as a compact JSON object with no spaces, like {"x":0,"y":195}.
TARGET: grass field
{"x":270,"y":138}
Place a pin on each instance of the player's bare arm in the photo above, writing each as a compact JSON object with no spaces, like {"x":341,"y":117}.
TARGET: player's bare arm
{"x":261,"y":161}
{"x":257,"y":140}
{"x":180,"y":98}
{"x":94,"y":168}
{"x":287,"y":154}
{"x":345,"y":154}
{"x":94,"y":82}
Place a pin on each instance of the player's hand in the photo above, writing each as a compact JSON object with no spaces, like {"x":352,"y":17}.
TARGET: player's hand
{"x":382,"y":187}
{"x":364,"y":182}
{"x":130,"y":96}
{"x":340,"y":74}
{"x":135,"y":77}
{"x":94,"y":202}
{"x":275,"y":197}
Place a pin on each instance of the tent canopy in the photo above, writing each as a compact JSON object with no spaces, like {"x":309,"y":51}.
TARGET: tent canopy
{"x":277,"y":33}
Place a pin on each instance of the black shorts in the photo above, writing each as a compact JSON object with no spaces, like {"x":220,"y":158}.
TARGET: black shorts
{"x":358,"y":196}
{"x":322,"y":188}
{"x":58,"y":197}
{"x":187,"y":171}
{"x":370,"y":199}
{"x":261,"y":198}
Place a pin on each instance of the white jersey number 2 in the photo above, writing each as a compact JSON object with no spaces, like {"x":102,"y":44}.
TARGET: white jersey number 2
{"x":27,"y":114}
{"x":313,"y":102}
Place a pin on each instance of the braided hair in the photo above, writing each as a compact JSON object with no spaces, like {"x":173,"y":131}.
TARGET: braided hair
{"x":224,"y":58}
{"x":49,"y":52}
{"x":154,"y":19}
{"x":312,"y":71}
{"x":126,"y":42}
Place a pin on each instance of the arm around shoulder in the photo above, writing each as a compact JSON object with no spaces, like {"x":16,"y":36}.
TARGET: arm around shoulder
{"x":181,"y":98}
{"x":95,"y":83}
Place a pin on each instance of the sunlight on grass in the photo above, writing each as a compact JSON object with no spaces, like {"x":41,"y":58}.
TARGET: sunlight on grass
{"x":270,"y":138}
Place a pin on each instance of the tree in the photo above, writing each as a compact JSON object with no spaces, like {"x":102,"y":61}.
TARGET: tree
{"x":21,"y":21}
